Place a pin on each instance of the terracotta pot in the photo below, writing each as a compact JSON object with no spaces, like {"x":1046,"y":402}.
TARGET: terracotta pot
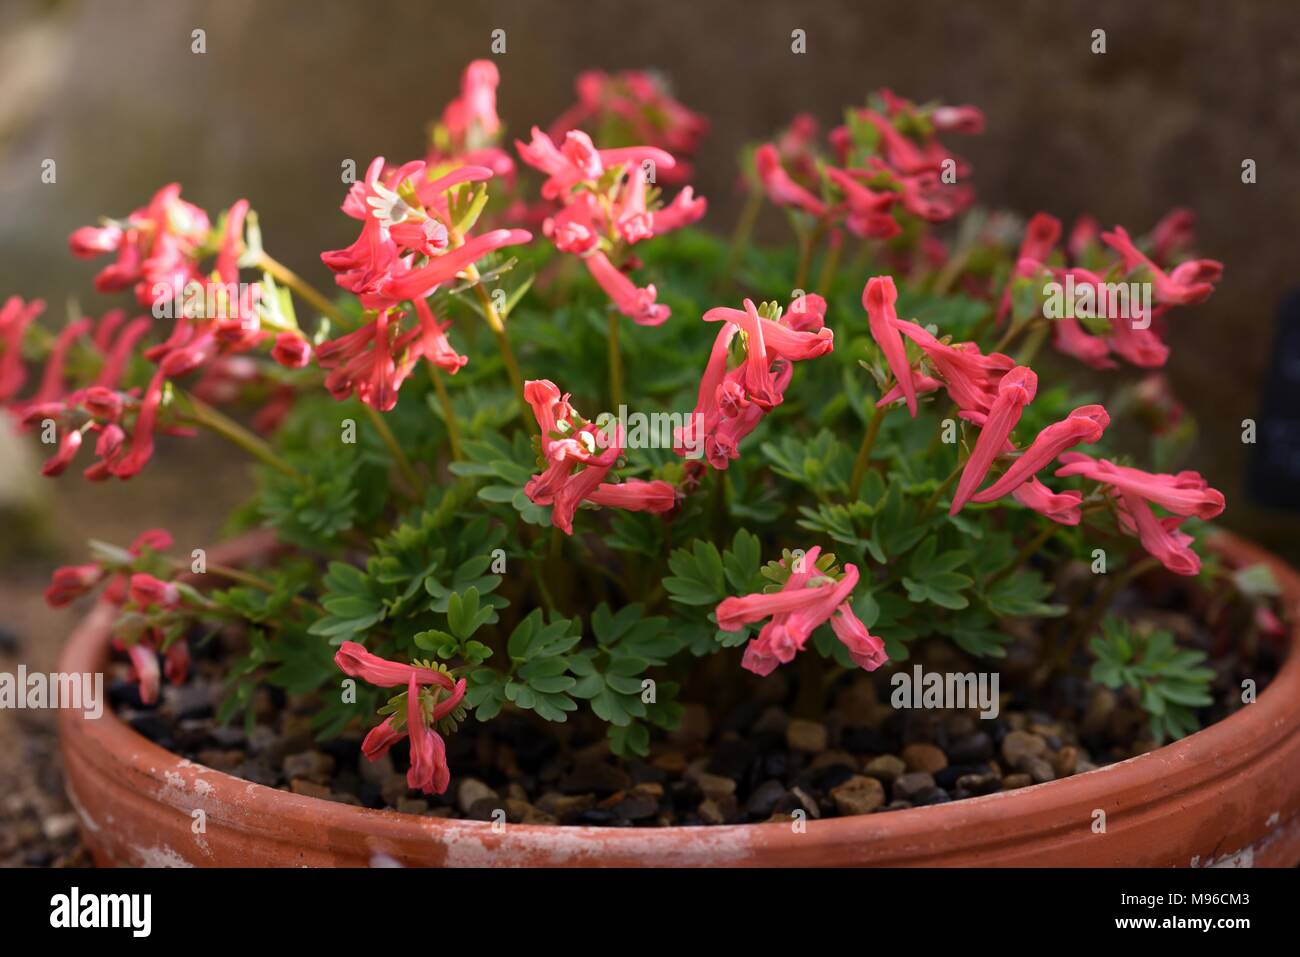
{"x":1227,"y":795}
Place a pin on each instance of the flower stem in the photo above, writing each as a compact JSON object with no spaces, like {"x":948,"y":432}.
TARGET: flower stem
{"x":938,"y":493}
{"x":863,"y":461}
{"x":395,"y":449}
{"x":498,"y":326}
{"x":205,"y":415}
{"x":615,"y":363}
{"x":448,"y":411}
{"x":808,"y":241}
{"x":744,"y":229}
{"x":1027,"y":552}
{"x":830,"y":264}
{"x":1102,"y":605}
{"x":287,"y":277}
{"x":254,"y":581}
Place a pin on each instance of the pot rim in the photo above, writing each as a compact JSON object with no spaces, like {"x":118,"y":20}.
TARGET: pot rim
{"x":979,"y":824}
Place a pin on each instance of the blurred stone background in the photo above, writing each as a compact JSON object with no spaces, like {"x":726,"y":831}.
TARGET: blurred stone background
{"x":289,"y":89}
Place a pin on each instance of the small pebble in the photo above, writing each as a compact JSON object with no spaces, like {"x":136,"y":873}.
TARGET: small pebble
{"x":858,"y":795}
{"x":802,"y":735}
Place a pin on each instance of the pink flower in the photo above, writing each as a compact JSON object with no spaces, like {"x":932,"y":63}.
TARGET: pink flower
{"x":635,"y":495}
{"x":638,"y":304}
{"x":1189,"y":283}
{"x":970,"y":378}
{"x":958,"y":119}
{"x":808,"y":598}
{"x":780,"y":188}
{"x":353,"y":659}
{"x":1041,"y":235}
{"x":472,"y":118}
{"x":1184,"y":494}
{"x":1085,"y":424}
{"x":685,"y":209}
{"x":144,"y":664}
{"x":176,"y":662}
{"x":1062,"y":507}
{"x":1173,"y":234}
{"x":146,"y":590}
{"x":291,"y":350}
{"x":1015,"y":391}
{"x":15,"y":317}
{"x":878,"y":298}
{"x":428,"y":772}
{"x":70,"y":582}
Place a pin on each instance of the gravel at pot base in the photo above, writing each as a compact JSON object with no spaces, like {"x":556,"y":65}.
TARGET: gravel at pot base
{"x":38,"y":827}
{"x":751,"y":762}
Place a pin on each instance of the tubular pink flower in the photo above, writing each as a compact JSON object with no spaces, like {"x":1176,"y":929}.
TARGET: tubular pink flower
{"x":958,"y":119}
{"x":353,"y":659}
{"x":1189,"y":283}
{"x":291,"y":350}
{"x":685,"y":209}
{"x":1015,"y":391}
{"x":429,"y":772}
{"x":638,"y":304}
{"x":418,"y":283}
{"x":146,"y":590}
{"x":878,"y":298}
{"x":1062,"y":507}
{"x":144,"y":663}
{"x":970,"y":378}
{"x":1183,"y":493}
{"x":1161,"y":537}
{"x":1071,"y":339}
{"x":1084,"y":425}
{"x":780,"y":188}
{"x":635,"y":495}
{"x":380,"y":738}
{"x":15,"y":317}
{"x":473,"y":115}
{"x":866,"y":650}
{"x":70,"y":582}
{"x":1041,"y":235}
{"x":68,"y":448}
{"x":1174,"y":233}
{"x":176,"y":662}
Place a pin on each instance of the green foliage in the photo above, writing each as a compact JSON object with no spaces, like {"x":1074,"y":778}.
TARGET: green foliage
{"x":1169,"y":681}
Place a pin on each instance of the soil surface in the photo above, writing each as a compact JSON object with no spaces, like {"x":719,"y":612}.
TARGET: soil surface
{"x":754,"y":759}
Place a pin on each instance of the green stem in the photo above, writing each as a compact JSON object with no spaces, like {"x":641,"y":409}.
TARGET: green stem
{"x":205,"y":415}
{"x":261,"y":584}
{"x":615,"y":363}
{"x":744,"y":229}
{"x":1027,"y":552}
{"x":719,"y":507}
{"x":448,"y":412}
{"x":395,"y":449}
{"x":863,"y":461}
{"x":498,"y":326}
{"x":829,"y":265}
{"x":305,"y":290}
{"x":808,"y":240}
{"x":938,"y":493}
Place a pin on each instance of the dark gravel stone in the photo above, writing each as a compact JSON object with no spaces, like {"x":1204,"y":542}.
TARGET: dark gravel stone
{"x":828,"y":778}
{"x":599,"y":776}
{"x":597,"y":816}
{"x":865,"y":741}
{"x":126,"y":694}
{"x":971,"y":749}
{"x":731,"y":758}
{"x":764,"y":799}
{"x":154,"y":727}
{"x":932,"y":796}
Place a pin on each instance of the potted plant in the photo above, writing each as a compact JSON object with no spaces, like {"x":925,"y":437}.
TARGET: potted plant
{"x":608,"y":541}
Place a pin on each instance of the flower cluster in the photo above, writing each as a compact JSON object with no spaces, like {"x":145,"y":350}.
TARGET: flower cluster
{"x":810,"y":596}
{"x":634,"y":106}
{"x":1102,"y":287}
{"x":608,"y":203}
{"x":885,"y":165}
{"x":576,"y":458}
{"x":733,"y":399}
